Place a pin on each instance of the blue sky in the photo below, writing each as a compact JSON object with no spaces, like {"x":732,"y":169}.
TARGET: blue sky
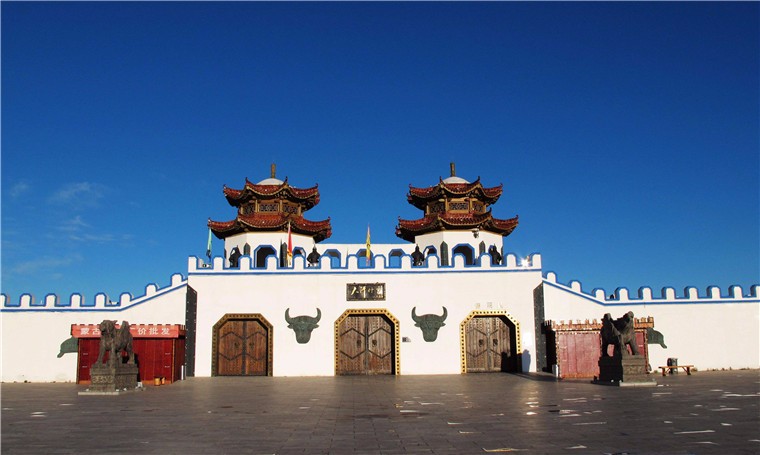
{"x":625,"y":134}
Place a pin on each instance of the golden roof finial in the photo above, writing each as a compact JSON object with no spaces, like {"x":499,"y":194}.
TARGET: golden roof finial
{"x":453,"y":169}
{"x":273,"y":170}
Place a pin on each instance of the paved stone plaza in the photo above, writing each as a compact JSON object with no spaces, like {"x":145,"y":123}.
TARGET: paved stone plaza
{"x":707,"y":412}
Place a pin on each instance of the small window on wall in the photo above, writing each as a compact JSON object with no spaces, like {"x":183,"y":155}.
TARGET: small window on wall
{"x":334,"y":258}
{"x":437,"y":207}
{"x":394,"y":259}
{"x":466,"y":251}
{"x":262,"y":254}
{"x":459,"y":206}
{"x":361,"y":255}
{"x":269,"y":207}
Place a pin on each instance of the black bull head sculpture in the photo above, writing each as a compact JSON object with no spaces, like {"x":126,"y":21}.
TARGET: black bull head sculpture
{"x":429,"y":323}
{"x":302,"y":325}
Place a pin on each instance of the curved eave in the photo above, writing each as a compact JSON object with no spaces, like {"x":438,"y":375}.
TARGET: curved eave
{"x":409,"y":229}
{"x":307,"y":197}
{"x":319,"y":230}
{"x":420,"y":197}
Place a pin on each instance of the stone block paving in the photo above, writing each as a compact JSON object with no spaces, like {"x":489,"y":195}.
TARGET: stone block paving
{"x":705,"y":413}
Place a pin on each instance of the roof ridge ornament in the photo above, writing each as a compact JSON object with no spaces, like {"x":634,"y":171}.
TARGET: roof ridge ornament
{"x":453,"y":168}
{"x":273,"y":170}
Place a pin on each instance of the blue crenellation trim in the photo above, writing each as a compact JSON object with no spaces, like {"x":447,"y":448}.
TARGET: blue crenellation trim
{"x":109,"y":308}
{"x":637,"y":302}
{"x":378,"y":262}
{"x":418,"y":270}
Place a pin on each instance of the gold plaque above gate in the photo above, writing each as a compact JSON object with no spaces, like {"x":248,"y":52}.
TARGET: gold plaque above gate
{"x":365,"y":291}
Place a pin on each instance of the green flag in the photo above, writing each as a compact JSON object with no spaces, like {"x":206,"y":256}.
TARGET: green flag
{"x":208,"y":247}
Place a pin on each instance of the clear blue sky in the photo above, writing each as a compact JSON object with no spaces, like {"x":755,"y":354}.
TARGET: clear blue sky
{"x":625,"y":134}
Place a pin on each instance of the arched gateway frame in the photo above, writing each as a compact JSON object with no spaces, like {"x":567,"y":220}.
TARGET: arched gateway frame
{"x":367,"y":343}
{"x":490,"y":341}
{"x":242,"y":346}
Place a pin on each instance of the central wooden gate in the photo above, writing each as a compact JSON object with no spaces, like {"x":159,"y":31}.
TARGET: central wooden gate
{"x":366,"y":344}
{"x":490,"y":344}
{"x":242,"y":346}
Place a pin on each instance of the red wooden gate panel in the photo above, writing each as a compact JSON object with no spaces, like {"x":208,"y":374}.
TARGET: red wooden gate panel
{"x":155,"y":357}
{"x":578,"y":346}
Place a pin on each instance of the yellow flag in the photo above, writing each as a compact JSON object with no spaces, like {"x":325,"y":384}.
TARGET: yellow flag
{"x":368,"y":252}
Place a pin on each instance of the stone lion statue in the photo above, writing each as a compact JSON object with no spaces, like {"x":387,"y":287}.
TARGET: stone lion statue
{"x":115,"y":341}
{"x":619,"y":333}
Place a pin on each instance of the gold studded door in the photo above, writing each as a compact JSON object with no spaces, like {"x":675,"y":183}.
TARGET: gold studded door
{"x":365,"y":345}
{"x":488,"y":345}
{"x":242,"y":348}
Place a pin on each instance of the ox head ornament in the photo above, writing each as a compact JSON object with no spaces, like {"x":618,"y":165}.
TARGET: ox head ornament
{"x":302,"y":325}
{"x":429,"y":323}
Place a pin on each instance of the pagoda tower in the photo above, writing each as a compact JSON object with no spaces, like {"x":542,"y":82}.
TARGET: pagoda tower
{"x":456,"y":212}
{"x":265,"y":211}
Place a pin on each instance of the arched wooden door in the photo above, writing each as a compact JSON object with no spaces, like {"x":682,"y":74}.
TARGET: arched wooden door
{"x":243,"y":346}
{"x":490,"y":345}
{"x":365,"y":344}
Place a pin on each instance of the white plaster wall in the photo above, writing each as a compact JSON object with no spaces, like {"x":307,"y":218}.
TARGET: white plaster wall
{"x":705,"y":332}
{"x":461,"y":292}
{"x":31,"y":337}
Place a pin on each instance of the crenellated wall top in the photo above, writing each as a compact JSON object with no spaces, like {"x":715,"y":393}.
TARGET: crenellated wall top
{"x":396,"y":261}
{"x":644,"y":295}
{"x":101,"y":301}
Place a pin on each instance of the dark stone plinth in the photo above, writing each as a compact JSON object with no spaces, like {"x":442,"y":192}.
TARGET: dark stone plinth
{"x":113,"y":378}
{"x":629,"y":370}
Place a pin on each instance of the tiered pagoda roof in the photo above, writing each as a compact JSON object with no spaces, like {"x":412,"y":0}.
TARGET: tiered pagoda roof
{"x":270,"y":206}
{"x":421,"y":197}
{"x":307,"y":197}
{"x":454,"y":204}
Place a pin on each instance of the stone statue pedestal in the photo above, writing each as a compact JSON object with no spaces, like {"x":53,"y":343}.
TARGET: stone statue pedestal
{"x":112,"y":379}
{"x":624,"y":371}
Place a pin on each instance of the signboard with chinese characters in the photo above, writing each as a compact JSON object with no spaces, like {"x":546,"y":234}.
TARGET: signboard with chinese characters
{"x":365,"y":291}
{"x":137,"y":330}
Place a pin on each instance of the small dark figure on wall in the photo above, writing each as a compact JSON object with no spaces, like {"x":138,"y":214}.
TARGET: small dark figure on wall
{"x":313,"y":257}
{"x":417,"y":257}
{"x":495,"y":255}
{"x":235,"y":257}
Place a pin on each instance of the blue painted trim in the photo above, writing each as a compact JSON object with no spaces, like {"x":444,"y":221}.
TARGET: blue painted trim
{"x":82,"y":309}
{"x":677,"y":301}
{"x":475,"y":259}
{"x":417,"y":270}
{"x":256,"y":255}
{"x":395,"y":255}
{"x":338,"y":258}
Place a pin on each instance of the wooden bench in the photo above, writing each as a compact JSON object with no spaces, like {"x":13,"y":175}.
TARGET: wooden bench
{"x":669,"y":368}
